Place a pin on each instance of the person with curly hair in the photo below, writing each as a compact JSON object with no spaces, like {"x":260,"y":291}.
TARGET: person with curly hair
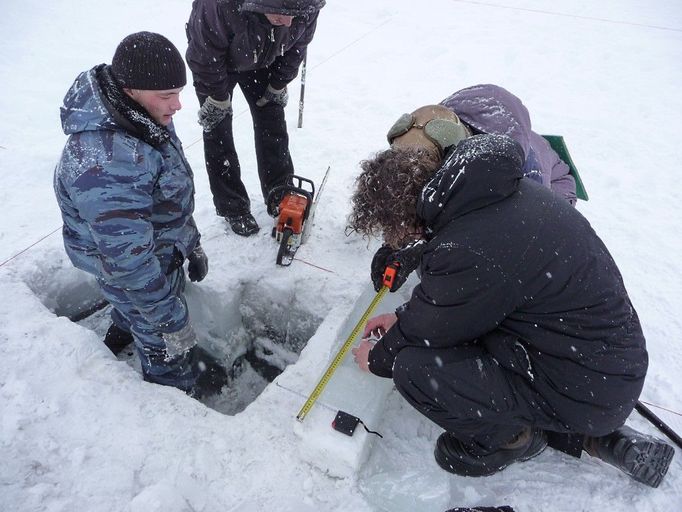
{"x":375,"y":209}
{"x":520,"y":327}
{"x":436,"y":129}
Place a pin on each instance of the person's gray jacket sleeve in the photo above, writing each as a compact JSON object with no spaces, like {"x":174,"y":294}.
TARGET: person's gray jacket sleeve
{"x":556,"y":175}
{"x":209,"y":36}
{"x":285,"y":67}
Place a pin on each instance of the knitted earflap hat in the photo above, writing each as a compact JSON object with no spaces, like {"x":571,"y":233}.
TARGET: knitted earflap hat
{"x":148,"y":61}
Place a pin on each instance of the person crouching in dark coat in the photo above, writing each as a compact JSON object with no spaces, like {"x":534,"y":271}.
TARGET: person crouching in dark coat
{"x":521,"y":324}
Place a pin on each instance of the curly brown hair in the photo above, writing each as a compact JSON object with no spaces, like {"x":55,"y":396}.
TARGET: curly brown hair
{"x":387,"y":189}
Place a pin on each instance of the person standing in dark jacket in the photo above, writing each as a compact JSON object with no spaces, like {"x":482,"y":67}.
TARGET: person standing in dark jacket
{"x":126,"y":195}
{"x":520,"y":325}
{"x":258,"y":45}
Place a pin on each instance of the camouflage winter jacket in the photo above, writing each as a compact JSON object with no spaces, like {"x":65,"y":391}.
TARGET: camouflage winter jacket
{"x":126,"y":195}
{"x":232,"y":36}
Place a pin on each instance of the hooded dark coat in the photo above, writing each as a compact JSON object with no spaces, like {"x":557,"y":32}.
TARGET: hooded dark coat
{"x":514,"y":268}
{"x":232,"y":36}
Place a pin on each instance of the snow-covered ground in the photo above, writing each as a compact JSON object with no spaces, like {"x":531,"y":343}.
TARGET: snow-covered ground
{"x":80,"y":431}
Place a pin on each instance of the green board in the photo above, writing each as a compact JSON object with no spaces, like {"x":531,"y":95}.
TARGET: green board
{"x":559,"y":145}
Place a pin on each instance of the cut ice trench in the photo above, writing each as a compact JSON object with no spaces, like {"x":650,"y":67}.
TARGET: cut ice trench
{"x":255,"y":331}
{"x":258,"y":329}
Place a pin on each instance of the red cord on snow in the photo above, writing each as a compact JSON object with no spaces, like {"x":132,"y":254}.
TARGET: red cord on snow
{"x":27,"y":248}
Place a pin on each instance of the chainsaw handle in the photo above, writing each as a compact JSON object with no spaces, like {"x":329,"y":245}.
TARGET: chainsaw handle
{"x":293,"y":184}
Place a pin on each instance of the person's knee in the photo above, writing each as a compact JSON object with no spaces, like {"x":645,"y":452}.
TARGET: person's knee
{"x":409,"y":368}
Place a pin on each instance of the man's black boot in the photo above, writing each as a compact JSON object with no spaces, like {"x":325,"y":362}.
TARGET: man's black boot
{"x":210,"y":376}
{"x":116,"y":339}
{"x":470,"y":459}
{"x":645,"y":458}
{"x":244,"y":224}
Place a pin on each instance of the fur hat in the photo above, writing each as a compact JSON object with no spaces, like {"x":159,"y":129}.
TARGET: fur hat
{"x":148,"y":61}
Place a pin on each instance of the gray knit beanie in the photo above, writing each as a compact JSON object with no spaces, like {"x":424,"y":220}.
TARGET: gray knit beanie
{"x":148,"y":61}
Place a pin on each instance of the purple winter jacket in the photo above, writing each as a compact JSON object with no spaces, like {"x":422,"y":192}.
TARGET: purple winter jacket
{"x":232,"y":36}
{"x":491,"y":109}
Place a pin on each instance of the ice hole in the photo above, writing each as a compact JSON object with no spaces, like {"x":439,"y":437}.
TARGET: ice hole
{"x":257,"y":333}
{"x":66,"y":291}
{"x":255,"y":330}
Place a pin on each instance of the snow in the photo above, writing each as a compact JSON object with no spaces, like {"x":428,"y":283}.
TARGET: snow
{"x":81,"y":431}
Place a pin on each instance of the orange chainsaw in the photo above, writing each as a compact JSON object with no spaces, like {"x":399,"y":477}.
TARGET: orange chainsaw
{"x":291,"y":205}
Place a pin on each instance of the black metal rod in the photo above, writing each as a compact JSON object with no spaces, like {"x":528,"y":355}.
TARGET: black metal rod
{"x":658,"y":423}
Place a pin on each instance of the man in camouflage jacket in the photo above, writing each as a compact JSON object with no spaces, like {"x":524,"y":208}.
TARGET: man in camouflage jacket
{"x":126,"y":195}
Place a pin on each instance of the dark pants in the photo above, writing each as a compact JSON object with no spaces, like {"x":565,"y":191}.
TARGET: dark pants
{"x":465,"y":391}
{"x":149,"y":342}
{"x":272,"y":147}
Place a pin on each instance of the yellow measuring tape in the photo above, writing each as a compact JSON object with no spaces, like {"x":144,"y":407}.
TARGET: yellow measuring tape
{"x":338,"y":358}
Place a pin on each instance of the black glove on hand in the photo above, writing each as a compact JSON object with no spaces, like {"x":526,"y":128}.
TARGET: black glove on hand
{"x":379,"y":262}
{"x":177,"y":260}
{"x":198,"y":264}
{"x":212,"y":112}
{"x":278,"y":96}
{"x":408,"y":259}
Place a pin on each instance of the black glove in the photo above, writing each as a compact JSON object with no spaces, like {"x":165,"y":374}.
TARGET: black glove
{"x":212,"y":112}
{"x":408,"y":259}
{"x":379,"y":262}
{"x":278,"y":96}
{"x":177,"y":260}
{"x":198,"y":264}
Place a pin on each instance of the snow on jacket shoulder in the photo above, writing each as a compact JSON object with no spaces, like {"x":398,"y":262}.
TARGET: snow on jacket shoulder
{"x":515,"y":267}
{"x":492,"y":109}
{"x":125,"y":204}
{"x":232,"y":36}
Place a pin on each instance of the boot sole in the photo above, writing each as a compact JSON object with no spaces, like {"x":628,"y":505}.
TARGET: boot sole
{"x":648,"y":462}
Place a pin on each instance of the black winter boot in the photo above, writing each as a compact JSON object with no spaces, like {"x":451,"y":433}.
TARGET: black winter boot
{"x":116,"y":339}
{"x":470,"y":459}
{"x":210,"y":375}
{"x":244,"y":224}
{"x":645,"y":458}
